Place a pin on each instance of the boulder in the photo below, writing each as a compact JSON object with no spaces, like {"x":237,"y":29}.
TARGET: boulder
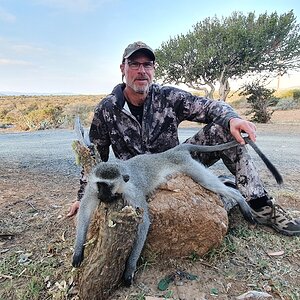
{"x":186,"y":218}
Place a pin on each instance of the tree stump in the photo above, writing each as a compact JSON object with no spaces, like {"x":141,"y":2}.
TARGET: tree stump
{"x":186,"y":219}
{"x":110,"y":240}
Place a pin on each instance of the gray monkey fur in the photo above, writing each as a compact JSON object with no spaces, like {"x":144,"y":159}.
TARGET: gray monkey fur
{"x":136,"y":178}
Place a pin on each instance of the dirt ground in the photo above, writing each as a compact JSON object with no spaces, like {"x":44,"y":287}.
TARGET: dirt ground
{"x":36,"y":245}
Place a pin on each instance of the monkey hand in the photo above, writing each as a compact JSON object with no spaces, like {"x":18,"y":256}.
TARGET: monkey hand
{"x":128,"y":279}
{"x":128,"y":274}
{"x":78,"y":258}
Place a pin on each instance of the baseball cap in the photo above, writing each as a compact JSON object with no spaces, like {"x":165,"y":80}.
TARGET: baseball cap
{"x":136,"y":46}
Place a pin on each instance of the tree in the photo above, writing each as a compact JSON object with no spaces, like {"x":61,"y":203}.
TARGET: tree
{"x":217,"y":50}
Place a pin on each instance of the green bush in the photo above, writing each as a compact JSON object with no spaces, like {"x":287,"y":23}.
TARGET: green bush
{"x":296,"y":95}
{"x":286,"y":104}
{"x":260,"y":99}
{"x":45,"y":118}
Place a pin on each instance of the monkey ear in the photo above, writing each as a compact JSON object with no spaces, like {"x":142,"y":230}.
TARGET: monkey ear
{"x":126,"y":177}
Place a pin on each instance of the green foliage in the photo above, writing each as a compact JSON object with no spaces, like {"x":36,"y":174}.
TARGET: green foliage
{"x":260,"y":99}
{"x":232,"y":47}
{"x":296,"y":95}
{"x":44,"y":118}
{"x":287,"y":104}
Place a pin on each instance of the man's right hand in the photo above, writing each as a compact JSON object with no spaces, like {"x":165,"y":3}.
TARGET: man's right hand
{"x":73,"y":209}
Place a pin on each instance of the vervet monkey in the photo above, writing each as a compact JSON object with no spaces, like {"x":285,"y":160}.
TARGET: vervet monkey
{"x":134,"y":179}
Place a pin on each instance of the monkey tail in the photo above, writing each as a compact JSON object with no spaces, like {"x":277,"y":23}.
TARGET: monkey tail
{"x":267,"y":162}
{"x":221,"y":147}
{"x":206,"y":148}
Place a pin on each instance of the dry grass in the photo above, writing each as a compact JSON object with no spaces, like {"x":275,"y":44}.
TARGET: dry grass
{"x":45,"y":112}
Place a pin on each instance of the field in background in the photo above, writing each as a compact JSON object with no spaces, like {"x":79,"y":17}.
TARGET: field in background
{"x":24,"y":113}
{"x":45,"y":112}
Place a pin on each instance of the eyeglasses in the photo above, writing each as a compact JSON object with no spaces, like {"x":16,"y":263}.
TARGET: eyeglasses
{"x":135,"y":65}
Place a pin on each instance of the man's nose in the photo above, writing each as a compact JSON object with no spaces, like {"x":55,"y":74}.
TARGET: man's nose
{"x":141,"y":68}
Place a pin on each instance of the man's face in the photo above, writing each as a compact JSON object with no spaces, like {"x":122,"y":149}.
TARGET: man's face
{"x":138,"y":71}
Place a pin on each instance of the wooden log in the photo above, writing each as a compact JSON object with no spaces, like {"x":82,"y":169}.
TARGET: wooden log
{"x":83,"y":156}
{"x":111,"y":237}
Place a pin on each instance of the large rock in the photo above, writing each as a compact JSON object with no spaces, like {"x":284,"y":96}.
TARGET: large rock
{"x":186,"y":219}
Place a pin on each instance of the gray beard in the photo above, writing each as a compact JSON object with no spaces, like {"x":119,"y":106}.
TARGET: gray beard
{"x":141,"y":90}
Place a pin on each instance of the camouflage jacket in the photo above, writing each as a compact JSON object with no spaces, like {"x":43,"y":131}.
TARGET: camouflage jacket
{"x":165,"y":107}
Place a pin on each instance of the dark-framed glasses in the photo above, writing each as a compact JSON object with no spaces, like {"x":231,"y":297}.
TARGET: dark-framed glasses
{"x":135,"y":65}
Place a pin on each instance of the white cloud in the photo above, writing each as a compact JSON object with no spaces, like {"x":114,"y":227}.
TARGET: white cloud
{"x":73,"y":5}
{"x":7,"y":61}
{"x":6,"y":16}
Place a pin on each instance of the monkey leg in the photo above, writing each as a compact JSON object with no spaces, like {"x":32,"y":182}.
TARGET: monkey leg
{"x":137,"y":248}
{"x":211,"y":182}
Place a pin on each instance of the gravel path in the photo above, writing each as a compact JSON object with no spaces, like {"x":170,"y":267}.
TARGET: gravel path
{"x":51,"y":150}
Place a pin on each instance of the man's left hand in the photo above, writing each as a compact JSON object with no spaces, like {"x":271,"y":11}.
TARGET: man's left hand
{"x":239,"y":125}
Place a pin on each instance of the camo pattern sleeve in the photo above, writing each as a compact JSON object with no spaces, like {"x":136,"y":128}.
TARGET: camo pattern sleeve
{"x":199,"y":109}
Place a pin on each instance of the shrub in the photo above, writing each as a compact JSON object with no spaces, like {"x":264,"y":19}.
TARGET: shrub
{"x":296,"y":95}
{"x":260,"y":99}
{"x":84,"y":111}
{"x":45,"y":118}
{"x":287,"y":104}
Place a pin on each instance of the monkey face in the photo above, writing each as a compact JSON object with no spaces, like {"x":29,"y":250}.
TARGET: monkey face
{"x":105,"y":193}
{"x":110,"y":182}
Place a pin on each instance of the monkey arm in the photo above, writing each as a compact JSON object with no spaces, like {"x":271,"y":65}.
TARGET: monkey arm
{"x":87,"y":207}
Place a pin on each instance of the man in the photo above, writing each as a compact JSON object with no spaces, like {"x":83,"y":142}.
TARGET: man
{"x":141,"y":117}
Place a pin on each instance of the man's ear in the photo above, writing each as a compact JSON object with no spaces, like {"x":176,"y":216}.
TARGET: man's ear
{"x":122,"y":66}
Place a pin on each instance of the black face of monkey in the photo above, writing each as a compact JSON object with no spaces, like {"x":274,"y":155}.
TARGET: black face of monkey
{"x":104,"y":193}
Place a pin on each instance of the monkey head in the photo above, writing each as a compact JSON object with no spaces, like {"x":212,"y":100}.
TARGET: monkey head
{"x":110,"y":182}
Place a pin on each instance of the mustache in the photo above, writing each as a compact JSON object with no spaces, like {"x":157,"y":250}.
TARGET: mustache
{"x":141,"y":78}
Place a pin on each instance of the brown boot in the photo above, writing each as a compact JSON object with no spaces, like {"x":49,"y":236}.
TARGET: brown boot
{"x":275,"y":216}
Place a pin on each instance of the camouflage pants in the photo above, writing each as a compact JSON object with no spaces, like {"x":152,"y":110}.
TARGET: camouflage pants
{"x":236,"y":159}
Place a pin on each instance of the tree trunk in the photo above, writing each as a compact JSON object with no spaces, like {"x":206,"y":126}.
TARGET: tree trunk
{"x":212,"y":91}
{"x":224,"y":89}
{"x":111,"y":237}
{"x":185,"y":219}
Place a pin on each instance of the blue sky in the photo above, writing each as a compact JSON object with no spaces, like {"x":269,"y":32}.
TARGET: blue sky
{"x":75,"y":46}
